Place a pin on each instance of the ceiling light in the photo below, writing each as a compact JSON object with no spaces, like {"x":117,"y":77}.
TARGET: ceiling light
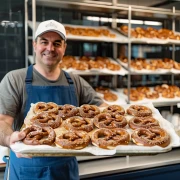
{"x":126,"y":21}
{"x":152,"y":23}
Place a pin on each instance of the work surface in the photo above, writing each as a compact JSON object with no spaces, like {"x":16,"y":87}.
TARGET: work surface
{"x":111,"y":165}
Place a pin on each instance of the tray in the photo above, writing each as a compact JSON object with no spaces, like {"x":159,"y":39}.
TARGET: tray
{"x":121,"y":99}
{"x":150,"y":40}
{"x":122,"y":71}
{"x":118,"y":37}
{"x":160,"y":100}
{"x":145,"y":71}
{"x":131,"y":149}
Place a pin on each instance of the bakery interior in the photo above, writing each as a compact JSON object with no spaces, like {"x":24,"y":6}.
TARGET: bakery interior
{"x":141,"y":43}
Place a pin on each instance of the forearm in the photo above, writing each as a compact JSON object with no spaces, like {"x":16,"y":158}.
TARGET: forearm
{"x":6,"y":122}
{"x":5,"y":133}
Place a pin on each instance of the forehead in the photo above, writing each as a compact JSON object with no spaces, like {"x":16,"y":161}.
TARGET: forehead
{"x":50,"y":36}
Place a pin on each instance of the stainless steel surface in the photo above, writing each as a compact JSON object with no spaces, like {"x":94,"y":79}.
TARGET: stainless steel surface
{"x":34,"y":22}
{"x":129,"y":53}
{"x":26,"y":32}
{"x":109,"y":165}
{"x":129,"y":163}
{"x":105,"y":7}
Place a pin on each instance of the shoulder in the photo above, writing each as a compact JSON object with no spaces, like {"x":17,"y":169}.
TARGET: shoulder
{"x":17,"y":72}
{"x":16,"y":75}
{"x":74,"y":76}
{"x":78,"y":79}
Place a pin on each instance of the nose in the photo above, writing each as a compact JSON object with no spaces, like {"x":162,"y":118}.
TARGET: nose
{"x":50,"y":47}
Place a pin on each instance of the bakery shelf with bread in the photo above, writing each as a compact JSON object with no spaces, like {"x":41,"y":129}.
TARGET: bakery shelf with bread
{"x":91,"y":33}
{"x":90,"y":130}
{"x":89,"y":65}
{"x":159,"y":95}
{"x":151,"y":66}
{"x":151,"y":35}
{"x":110,"y":96}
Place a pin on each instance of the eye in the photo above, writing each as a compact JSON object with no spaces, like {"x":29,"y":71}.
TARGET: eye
{"x":44,"y":42}
{"x":57,"y":44}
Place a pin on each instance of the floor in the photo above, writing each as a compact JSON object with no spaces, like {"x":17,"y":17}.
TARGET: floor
{"x":1,"y":175}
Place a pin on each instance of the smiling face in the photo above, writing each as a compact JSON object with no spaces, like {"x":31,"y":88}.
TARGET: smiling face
{"x":49,"y":49}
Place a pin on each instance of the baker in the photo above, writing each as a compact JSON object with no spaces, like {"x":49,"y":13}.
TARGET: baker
{"x":44,"y":81}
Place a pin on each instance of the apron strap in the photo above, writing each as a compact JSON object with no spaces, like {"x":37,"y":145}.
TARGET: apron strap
{"x":28,"y":82}
{"x":29,"y":75}
{"x":70,"y":81}
{"x":72,"y":87}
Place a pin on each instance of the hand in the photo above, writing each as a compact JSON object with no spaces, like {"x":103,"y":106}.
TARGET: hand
{"x":15,"y":137}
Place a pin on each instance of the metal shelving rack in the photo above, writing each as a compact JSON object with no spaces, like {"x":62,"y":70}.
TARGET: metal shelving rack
{"x":112,"y":7}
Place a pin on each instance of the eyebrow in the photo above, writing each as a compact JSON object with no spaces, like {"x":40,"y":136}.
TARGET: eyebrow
{"x":59,"y":40}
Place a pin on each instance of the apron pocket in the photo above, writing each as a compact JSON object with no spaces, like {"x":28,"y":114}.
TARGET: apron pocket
{"x":66,"y":168}
{"x":40,"y":173}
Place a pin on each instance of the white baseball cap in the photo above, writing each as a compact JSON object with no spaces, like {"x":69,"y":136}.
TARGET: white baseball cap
{"x":50,"y":25}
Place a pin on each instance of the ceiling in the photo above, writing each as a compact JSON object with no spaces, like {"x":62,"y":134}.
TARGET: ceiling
{"x":151,"y":3}
{"x":16,"y":5}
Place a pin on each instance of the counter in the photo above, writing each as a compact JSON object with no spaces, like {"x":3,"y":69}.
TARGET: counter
{"x":116,"y":167}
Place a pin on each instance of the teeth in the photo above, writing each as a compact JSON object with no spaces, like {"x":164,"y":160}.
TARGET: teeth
{"x":48,"y":54}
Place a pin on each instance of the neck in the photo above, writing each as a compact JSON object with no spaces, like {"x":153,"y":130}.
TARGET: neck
{"x":48,"y":73}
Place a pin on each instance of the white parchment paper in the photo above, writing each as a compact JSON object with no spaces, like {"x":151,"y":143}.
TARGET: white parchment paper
{"x":93,"y":150}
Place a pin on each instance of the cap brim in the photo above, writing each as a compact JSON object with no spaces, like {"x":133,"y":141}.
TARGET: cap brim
{"x":52,"y":30}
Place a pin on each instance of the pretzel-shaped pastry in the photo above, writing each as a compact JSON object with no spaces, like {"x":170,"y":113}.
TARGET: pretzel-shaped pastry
{"x":39,"y":135}
{"x":106,"y":120}
{"x":161,"y":88}
{"x":68,"y":110}
{"x":152,"y":95}
{"x":109,"y":139}
{"x":142,"y":122}
{"x":102,"y":90}
{"x":114,"y":109}
{"x":43,"y":119}
{"x":113,"y":67}
{"x":109,"y":96}
{"x":143,"y":89}
{"x":79,"y":123}
{"x":136,"y":96}
{"x":44,"y":107}
{"x":176,"y":65}
{"x":73,"y":140}
{"x":139,"y":110}
{"x":168,"y":94}
{"x":155,"y":136}
{"x":88,"y":111}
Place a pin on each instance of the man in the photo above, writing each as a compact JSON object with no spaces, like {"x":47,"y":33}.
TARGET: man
{"x":46,"y":82}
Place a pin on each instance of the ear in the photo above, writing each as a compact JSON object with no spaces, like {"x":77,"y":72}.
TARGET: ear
{"x":34,"y":45}
{"x":65,"y":45}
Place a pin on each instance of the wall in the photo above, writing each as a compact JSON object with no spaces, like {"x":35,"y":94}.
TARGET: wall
{"x":11,"y":36}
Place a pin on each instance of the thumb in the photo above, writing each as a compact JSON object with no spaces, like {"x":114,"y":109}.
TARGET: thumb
{"x":17,"y":136}
{"x":21,"y":135}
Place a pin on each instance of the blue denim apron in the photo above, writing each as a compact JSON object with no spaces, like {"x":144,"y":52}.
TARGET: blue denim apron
{"x":45,"y":168}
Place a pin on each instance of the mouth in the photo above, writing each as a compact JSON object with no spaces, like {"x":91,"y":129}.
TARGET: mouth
{"x":49,"y":55}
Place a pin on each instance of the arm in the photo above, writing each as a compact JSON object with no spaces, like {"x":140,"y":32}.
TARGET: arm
{"x":5,"y":129}
{"x":86,"y":94}
{"x":7,"y":136}
{"x":104,"y":105}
